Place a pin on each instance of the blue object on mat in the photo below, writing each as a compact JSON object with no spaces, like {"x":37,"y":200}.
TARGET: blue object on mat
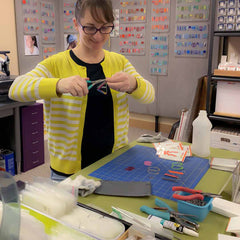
{"x":199,"y":211}
{"x":141,"y":163}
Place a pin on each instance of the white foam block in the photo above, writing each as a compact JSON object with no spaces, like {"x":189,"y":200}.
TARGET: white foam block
{"x":225,"y":207}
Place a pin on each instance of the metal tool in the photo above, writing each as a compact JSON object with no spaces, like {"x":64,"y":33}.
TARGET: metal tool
{"x":194,"y":194}
{"x":94,"y":82}
{"x":170,"y":214}
{"x":4,"y":63}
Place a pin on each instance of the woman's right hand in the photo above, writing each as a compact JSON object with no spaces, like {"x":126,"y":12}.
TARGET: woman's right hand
{"x":75,"y":85}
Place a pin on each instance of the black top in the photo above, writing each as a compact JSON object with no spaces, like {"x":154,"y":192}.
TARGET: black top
{"x":98,"y":133}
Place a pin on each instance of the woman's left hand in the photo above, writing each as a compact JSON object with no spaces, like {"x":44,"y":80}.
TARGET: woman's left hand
{"x":122,"y":82}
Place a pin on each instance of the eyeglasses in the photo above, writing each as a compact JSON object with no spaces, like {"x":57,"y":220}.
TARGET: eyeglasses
{"x":93,"y":30}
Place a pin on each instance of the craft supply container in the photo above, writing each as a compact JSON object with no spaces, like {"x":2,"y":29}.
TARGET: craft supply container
{"x":199,"y":211}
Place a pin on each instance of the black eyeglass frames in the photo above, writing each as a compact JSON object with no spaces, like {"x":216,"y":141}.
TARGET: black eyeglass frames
{"x":93,"y":30}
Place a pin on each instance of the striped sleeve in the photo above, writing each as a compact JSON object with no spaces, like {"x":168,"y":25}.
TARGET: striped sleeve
{"x":36,"y":84}
{"x":145,"y":92}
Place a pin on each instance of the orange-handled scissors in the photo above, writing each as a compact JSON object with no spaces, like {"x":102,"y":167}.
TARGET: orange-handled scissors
{"x":195,"y":194}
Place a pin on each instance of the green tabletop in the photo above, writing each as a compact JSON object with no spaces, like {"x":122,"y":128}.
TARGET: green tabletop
{"x":213,"y":181}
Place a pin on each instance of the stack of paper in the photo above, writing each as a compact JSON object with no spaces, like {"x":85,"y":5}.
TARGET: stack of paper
{"x":234,"y":225}
{"x":182,"y":126}
{"x":227,"y":237}
{"x":224,"y":164}
{"x":174,"y":151}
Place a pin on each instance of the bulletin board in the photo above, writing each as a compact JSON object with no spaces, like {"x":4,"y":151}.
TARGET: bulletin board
{"x":38,"y":20}
{"x":146,"y":33}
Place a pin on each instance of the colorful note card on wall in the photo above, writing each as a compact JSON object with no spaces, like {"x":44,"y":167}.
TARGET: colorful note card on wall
{"x":133,"y":11}
{"x":48,"y":22}
{"x":197,"y":10}
{"x":132,"y":39}
{"x":31,"y":22}
{"x":191,"y":39}
{"x":159,"y":54}
{"x":160,"y":16}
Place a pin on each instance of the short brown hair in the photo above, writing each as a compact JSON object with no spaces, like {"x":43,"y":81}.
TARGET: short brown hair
{"x":96,"y":8}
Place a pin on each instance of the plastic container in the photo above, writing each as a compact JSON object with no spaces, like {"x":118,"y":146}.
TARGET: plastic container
{"x":201,"y":135}
{"x":199,"y":211}
{"x":10,"y":207}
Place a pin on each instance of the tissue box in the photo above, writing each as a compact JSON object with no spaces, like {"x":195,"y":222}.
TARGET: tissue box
{"x":7,"y":162}
{"x":225,"y":138}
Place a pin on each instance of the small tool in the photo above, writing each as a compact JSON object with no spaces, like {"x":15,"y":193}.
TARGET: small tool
{"x":94,"y":82}
{"x":170,"y":214}
{"x":195,"y":194}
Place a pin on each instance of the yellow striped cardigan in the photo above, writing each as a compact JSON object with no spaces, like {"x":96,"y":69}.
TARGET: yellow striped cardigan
{"x":65,"y":114}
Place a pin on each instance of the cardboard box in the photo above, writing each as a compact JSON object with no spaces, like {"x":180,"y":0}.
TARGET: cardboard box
{"x":225,"y":138}
{"x":218,"y":72}
{"x":7,"y":161}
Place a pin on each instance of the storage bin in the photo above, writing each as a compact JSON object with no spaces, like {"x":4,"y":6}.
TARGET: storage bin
{"x":199,"y":211}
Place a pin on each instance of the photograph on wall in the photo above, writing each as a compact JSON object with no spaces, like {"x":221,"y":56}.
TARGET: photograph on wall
{"x":31,"y":44}
{"x":115,"y":32}
{"x":70,"y":41}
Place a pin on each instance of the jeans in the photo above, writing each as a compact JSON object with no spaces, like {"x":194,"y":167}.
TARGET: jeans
{"x":57,"y":177}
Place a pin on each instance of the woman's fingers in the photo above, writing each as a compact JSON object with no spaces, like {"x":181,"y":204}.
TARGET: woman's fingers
{"x":122,"y":82}
{"x":75,"y":85}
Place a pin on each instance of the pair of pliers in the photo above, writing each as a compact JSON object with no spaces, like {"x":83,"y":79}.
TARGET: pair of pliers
{"x":194,"y":194}
{"x":164,"y":206}
{"x":94,"y":82}
{"x":170,"y":214}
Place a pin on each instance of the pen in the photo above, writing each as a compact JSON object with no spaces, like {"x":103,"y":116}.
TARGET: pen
{"x":176,"y":227}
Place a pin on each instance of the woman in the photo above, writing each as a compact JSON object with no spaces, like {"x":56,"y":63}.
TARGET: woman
{"x":71,"y":41}
{"x":31,"y":45}
{"x":84,"y":123}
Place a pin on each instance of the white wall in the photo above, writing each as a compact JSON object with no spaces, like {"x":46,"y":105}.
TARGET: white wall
{"x":8,"y":38}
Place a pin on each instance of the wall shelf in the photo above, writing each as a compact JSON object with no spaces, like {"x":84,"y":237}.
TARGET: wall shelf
{"x":231,"y":120}
{"x":216,"y":75}
{"x":227,"y":33}
{"x":225,"y":78}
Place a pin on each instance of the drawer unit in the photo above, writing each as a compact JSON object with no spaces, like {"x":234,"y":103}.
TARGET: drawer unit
{"x":32,"y":135}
